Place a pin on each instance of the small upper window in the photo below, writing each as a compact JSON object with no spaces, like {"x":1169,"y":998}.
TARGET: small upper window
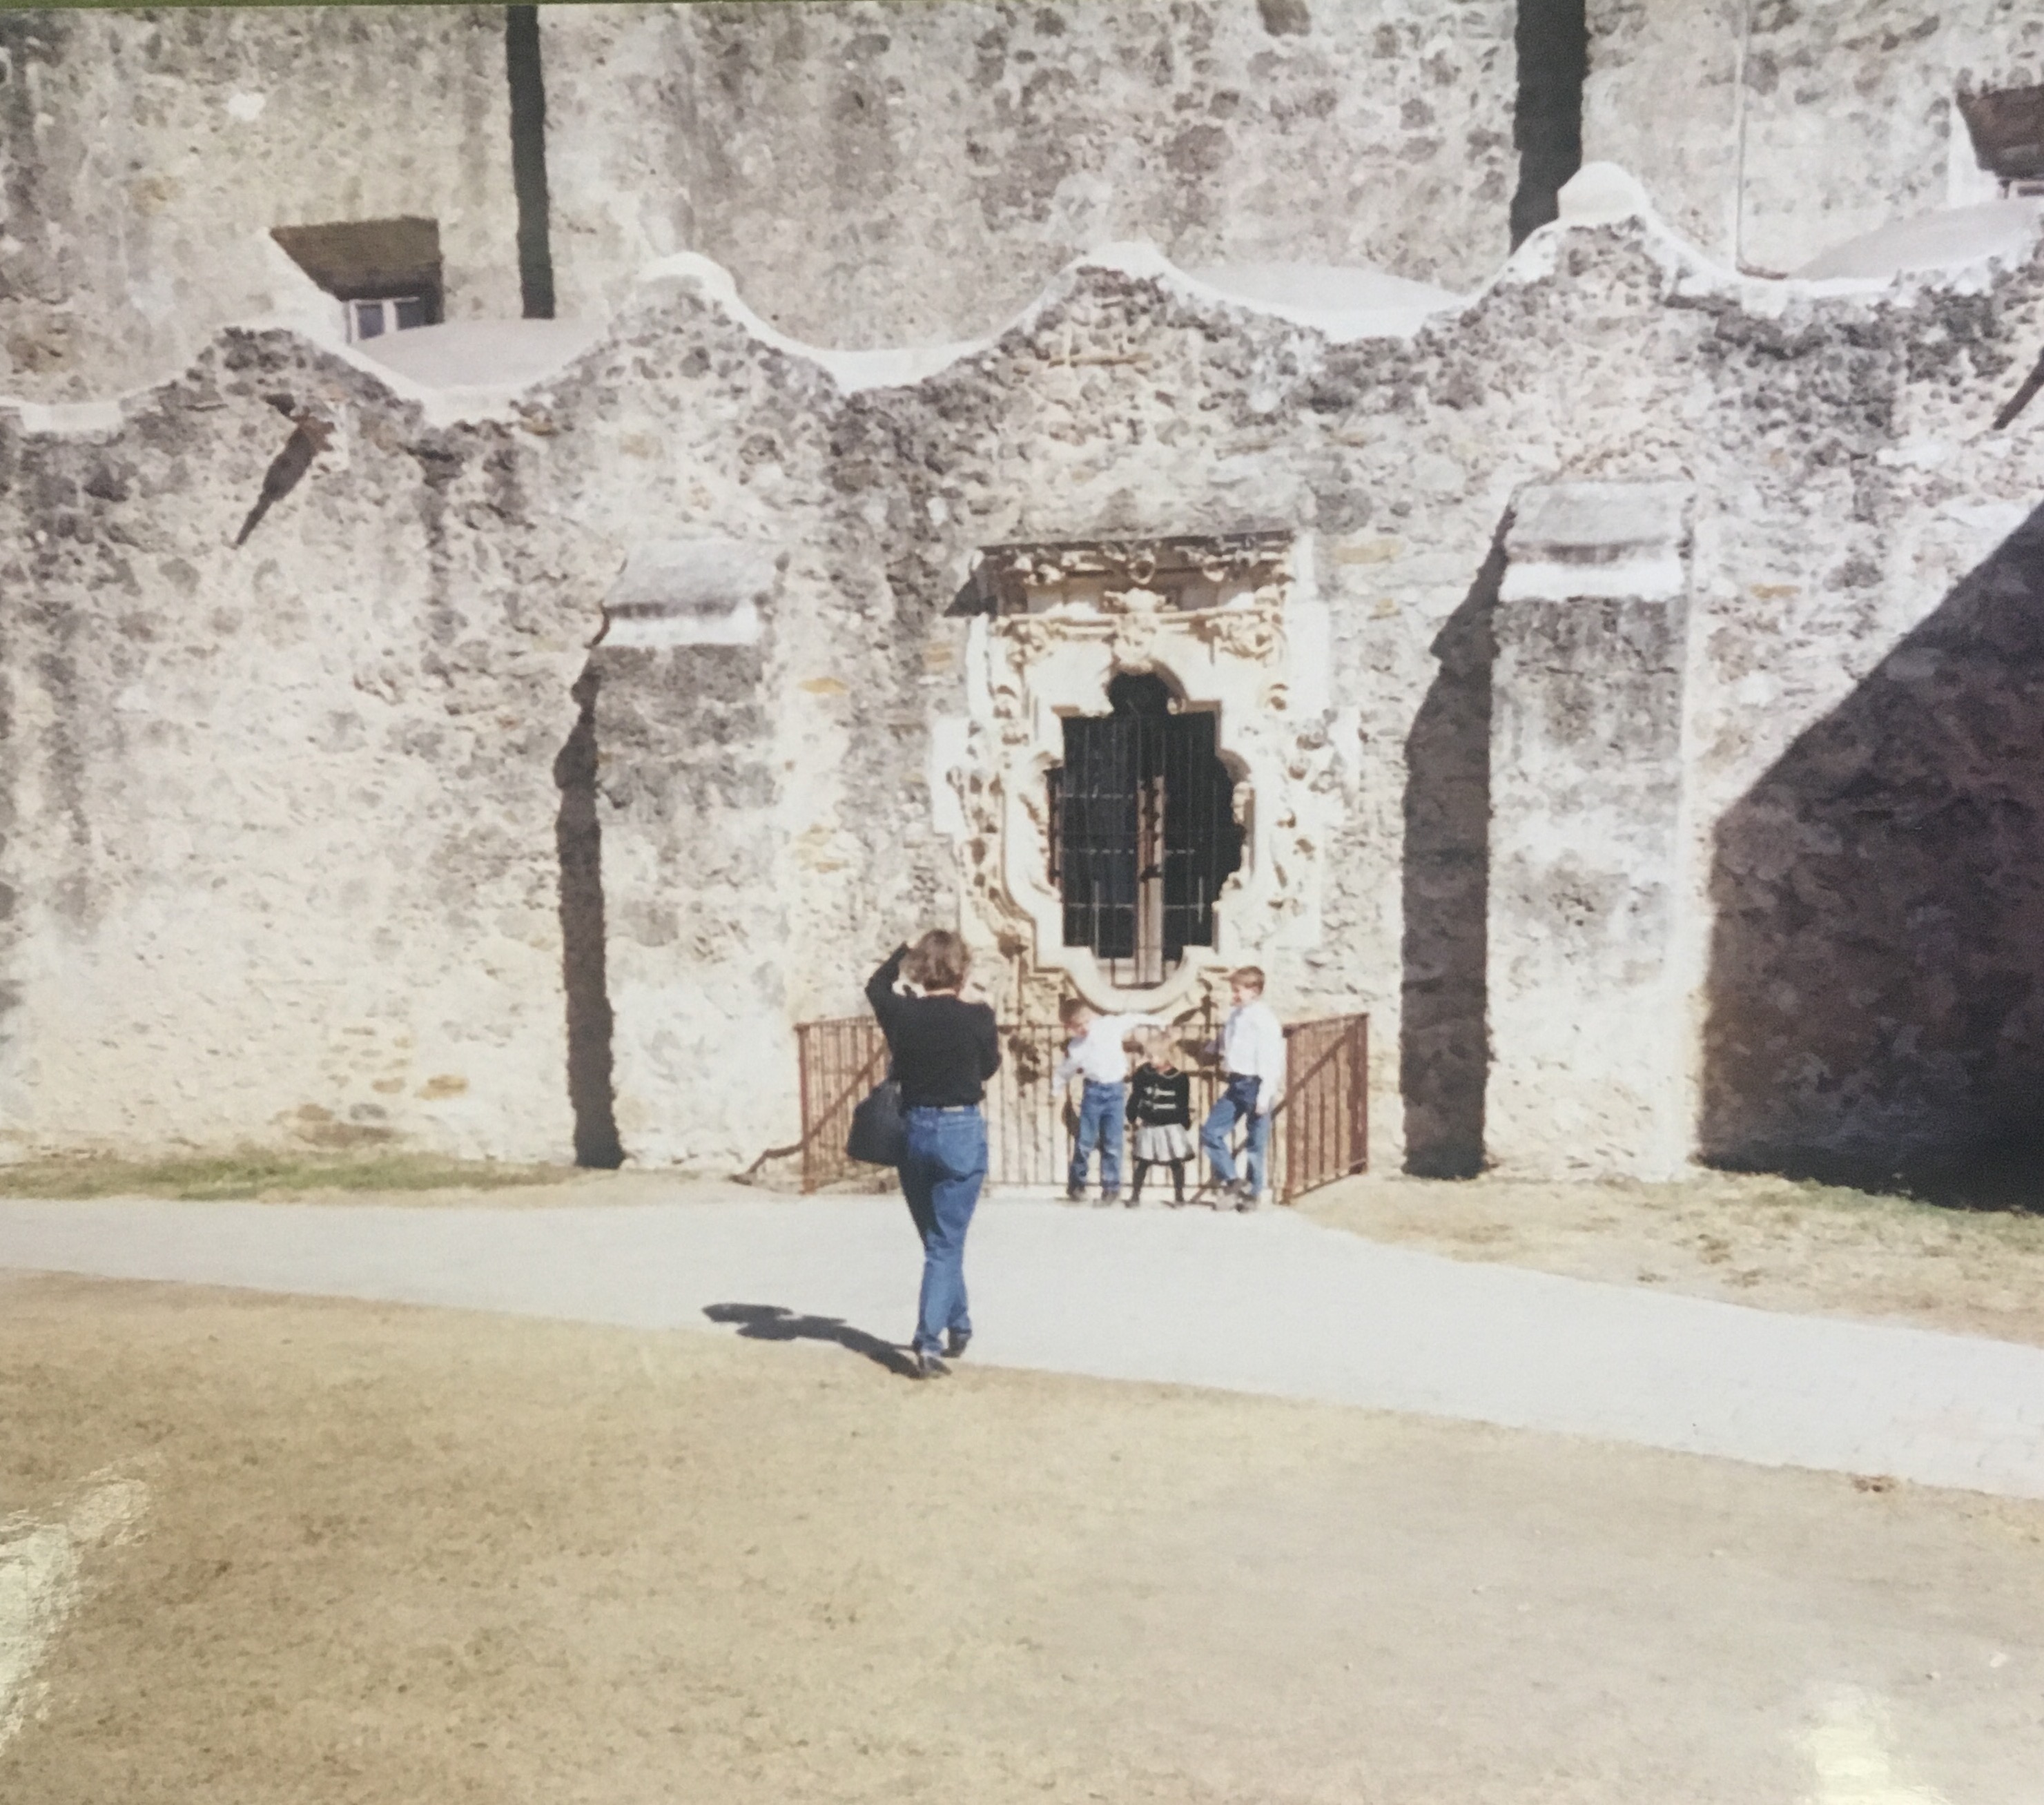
{"x":393,"y":313}
{"x":2006,"y":125}
{"x":387,"y":271}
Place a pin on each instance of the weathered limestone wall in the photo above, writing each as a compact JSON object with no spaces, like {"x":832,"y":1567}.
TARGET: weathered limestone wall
{"x":270,"y":864}
{"x":145,"y":157}
{"x":874,"y":174}
{"x":1798,"y":127}
{"x":352,"y":822}
{"x":907,"y":173}
{"x":1586,"y":855}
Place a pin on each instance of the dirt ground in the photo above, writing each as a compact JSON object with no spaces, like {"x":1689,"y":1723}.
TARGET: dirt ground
{"x":394,"y":1555}
{"x":1767,"y":1242}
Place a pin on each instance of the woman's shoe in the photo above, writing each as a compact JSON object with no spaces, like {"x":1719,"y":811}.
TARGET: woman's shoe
{"x":927,"y":1362}
{"x":956,"y":1341}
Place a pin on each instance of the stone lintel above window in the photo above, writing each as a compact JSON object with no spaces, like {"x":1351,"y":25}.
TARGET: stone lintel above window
{"x":1188,"y":573}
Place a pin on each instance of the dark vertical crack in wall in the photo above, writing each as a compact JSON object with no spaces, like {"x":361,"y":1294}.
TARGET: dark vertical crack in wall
{"x":1553,"y":42}
{"x":1444,"y":1044}
{"x":528,"y":158}
{"x":579,"y":839}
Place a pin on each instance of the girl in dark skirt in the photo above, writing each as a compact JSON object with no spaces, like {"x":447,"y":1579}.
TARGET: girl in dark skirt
{"x":1160,"y":1111}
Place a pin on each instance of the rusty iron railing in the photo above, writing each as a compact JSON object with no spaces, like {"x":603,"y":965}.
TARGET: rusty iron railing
{"x":840,"y":1062}
{"x":1319,"y":1129}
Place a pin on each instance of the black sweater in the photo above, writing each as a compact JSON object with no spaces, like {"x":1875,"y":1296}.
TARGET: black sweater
{"x":944,"y":1048}
{"x":1158,"y":1099}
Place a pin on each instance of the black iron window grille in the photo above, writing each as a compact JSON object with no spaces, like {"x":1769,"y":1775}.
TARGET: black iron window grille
{"x":1143,"y":832}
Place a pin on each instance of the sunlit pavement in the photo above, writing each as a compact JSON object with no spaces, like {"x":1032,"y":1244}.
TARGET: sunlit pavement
{"x":1269,"y":1303}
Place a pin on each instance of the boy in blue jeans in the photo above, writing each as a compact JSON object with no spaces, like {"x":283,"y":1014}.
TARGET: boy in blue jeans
{"x":1252,"y":1055}
{"x":1096,"y":1051}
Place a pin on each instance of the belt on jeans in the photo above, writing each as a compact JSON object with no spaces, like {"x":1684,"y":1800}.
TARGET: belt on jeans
{"x":944,"y":1108}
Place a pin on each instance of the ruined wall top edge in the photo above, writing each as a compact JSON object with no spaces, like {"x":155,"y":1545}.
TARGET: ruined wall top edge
{"x":1565,"y":256}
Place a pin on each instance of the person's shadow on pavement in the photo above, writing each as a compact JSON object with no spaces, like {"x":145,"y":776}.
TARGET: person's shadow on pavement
{"x":770,"y":1322}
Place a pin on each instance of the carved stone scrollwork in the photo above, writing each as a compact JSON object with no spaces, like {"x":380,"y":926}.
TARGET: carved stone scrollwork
{"x":1209,"y":616}
{"x":1138,"y":614}
{"x":1255,"y":632}
{"x":1020,"y":579}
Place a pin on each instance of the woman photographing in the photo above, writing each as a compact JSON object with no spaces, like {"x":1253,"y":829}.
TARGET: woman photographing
{"x":944,"y":1050}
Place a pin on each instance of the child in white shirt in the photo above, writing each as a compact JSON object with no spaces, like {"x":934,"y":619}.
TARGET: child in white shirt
{"x":1252,"y":1054}
{"x":1097,"y":1052}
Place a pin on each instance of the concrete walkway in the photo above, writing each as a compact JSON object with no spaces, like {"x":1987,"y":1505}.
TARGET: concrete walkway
{"x":1269,"y":1303}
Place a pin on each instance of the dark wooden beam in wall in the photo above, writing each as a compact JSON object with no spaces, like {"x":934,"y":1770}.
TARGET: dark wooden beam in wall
{"x":1553,"y":42}
{"x":528,"y":158}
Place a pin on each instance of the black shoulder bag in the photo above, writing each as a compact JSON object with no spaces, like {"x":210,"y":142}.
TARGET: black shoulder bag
{"x":879,"y":1136}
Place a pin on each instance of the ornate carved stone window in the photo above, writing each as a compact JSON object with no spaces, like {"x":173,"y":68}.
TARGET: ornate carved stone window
{"x":1142,"y":830}
{"x":1138,"y":777}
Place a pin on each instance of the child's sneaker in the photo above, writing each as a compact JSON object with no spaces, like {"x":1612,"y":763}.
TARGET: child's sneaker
{"x":928,"y":1364}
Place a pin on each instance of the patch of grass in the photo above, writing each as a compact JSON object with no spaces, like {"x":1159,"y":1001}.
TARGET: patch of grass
{"x":262,"y":1173}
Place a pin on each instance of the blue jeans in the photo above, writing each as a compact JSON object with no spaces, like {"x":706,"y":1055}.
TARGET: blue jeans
{"x":1238,"y":1101}
{"x":941,"y":1174}
{"x":1103,"y":1110}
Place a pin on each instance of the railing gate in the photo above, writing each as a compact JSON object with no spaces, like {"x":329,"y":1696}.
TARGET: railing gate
{"x":1320,"y":1130}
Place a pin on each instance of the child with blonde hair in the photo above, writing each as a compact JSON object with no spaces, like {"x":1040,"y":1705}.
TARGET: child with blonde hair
{"x":1160,"y":1111}
{"x":1098,"y":1052}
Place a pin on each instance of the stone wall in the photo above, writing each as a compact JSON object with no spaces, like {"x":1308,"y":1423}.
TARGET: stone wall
{"x":287,"y":819}
{"x":873,"y":174}
{"x":145,"y":157}
{"x":1586,"y":866}
{"x":271,"y":804}
{"x":905,"y":173}
{"x":1798,"y":127}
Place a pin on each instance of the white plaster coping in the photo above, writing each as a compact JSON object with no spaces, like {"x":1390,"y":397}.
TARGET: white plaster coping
{"x":1602,"y":194}
{"x":690,"y":592}
{"x":1948,"y":238}
{"x":68,"y":420}
{"x":1599,"y":194}
{"x":1571,"y":541}
{"x":851,"y":371}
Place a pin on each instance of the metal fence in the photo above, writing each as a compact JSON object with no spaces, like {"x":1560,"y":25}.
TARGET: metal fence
{"x":1320,"y":1130}
{"x":840,"y":1062}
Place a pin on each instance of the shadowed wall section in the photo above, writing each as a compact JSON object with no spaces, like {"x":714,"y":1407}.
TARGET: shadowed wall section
{"x":1443,"y":1053}
{"x":579,"y":839}
{"x":1876,"y":1006}
{"x":1552,"y":43}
